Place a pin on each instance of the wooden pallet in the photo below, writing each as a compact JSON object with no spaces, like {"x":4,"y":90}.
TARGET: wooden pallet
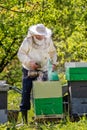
{"x":45,"y":118}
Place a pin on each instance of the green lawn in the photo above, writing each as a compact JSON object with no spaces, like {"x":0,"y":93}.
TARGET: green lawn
{"x":65,"y":124}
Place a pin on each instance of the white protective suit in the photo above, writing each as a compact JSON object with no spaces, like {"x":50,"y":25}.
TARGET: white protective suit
{"x":39,"y":51}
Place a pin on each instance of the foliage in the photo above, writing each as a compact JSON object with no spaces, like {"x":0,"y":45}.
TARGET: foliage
{"x":67,"y":19}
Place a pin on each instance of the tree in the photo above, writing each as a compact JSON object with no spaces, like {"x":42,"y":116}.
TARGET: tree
{"x":67,"y":19}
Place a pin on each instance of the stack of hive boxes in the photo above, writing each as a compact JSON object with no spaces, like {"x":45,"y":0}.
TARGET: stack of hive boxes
{"x":76,"y":75}
{"x":3,"y":102}
{"x":47,"y":97}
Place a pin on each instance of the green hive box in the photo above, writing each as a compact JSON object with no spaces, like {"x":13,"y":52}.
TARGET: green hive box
{"x":76,"y":74}
{"x":48,"y":98}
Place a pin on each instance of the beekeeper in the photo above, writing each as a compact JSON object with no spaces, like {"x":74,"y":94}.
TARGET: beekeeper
{"x":34,"y":52}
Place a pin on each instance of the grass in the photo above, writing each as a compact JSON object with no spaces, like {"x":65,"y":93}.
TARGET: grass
{"x":65,"y":124}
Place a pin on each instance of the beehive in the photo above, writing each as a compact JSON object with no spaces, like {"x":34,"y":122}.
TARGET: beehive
{"x":47,"y":98}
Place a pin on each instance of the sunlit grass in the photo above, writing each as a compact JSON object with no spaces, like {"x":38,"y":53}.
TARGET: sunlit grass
{"x":14,"y":99}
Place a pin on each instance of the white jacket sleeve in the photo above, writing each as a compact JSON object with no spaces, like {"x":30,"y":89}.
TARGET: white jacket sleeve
{"x":23,"y":53}
{"x":52,"y":52}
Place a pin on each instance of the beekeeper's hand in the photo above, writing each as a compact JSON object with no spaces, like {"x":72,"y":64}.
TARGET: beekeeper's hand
{"x":54,"y":67}
{"x":34,"y":66}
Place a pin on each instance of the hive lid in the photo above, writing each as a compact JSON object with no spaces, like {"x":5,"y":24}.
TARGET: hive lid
{"x":75,"y":64}
{"x":3,"y":85}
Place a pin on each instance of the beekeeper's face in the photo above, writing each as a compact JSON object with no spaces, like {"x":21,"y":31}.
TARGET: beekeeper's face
{"x":39,"y":37}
